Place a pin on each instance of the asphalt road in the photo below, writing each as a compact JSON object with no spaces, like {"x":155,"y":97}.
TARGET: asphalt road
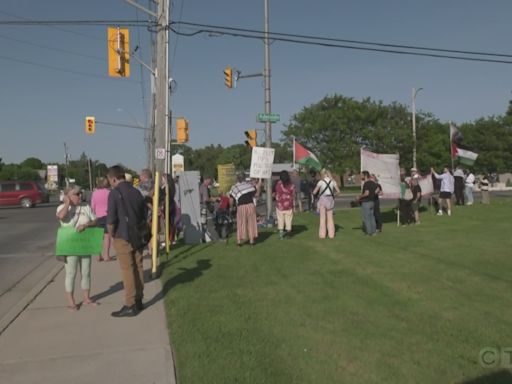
{"x":27,"y":242}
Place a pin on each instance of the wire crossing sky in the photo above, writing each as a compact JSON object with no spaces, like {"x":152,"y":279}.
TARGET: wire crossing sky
{"x":53,"y":65}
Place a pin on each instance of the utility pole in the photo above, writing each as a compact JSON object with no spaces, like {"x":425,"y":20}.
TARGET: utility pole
{"x":158,"y":141}
{"x":268,"y":108}
{"x":414,"y":93}
{"x":162,"y":88}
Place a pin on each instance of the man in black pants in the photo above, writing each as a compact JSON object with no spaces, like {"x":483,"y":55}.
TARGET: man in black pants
{"x":458,"y":176}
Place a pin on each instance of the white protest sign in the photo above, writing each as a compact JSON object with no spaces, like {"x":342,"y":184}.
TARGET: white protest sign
{"x":261,"y":162}
{"x":386,"y":168}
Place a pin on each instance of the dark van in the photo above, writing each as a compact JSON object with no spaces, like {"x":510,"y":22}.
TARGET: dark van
{"x":24,"y":193}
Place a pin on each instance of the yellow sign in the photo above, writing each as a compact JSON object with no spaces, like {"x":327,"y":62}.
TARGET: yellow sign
{"x":227,"y":176}
{"x":118,"y":52}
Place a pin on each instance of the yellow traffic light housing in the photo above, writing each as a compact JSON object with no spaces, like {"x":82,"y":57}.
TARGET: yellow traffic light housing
{"x":251,"y":138}
{"x":182,"y":134}
{"x":118,"y":52}
{"x":228,"y":77}
{"x":90,"y":125}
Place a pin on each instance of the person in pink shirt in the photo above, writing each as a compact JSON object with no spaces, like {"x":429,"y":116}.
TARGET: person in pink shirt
{"x":99,"y":204}
{"x":285,"y":193}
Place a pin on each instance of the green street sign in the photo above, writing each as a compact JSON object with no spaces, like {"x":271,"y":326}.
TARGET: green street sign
{"x":270,"y":117}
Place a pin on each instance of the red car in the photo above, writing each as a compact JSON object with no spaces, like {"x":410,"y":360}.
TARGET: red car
{"x":24,"y":193}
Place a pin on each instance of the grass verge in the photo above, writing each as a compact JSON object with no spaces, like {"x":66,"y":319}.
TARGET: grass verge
{"x":414,"y":304}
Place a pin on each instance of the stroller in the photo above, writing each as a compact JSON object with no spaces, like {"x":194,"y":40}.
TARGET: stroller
{"x":223,"y":223}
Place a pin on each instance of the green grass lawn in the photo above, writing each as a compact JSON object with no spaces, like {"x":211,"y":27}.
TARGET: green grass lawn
{"x":414,"y":304}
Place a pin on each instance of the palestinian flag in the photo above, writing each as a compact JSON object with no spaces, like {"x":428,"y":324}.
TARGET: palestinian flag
{"x":304,"y":157}
{"x":464,"y":156}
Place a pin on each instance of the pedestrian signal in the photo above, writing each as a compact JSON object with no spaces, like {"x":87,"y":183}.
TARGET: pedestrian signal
{"x":90,"y":125}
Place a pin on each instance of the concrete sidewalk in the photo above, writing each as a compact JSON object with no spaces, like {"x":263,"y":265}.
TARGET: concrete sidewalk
{"x":47,"y":343}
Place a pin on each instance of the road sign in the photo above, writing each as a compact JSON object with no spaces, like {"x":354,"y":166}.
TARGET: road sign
{"x":270,"y":117}
{"x":160,"y":153}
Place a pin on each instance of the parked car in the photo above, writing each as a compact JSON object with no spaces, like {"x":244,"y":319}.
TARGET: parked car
{"x":24,"y":193}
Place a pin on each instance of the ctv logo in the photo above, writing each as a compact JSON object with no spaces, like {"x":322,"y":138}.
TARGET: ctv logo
{"x":492,"y":357}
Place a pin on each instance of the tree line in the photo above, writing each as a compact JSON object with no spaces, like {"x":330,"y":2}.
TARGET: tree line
{"x":334,"y":129}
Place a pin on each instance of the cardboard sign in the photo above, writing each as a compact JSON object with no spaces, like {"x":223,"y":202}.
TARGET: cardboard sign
{"x":72,"y":243}
{"x":261,"y":163}
{"x":227,"y":176}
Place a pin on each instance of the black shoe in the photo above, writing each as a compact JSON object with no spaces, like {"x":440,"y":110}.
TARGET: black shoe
{"x":126,"y":311}
{"x":139,"y":305}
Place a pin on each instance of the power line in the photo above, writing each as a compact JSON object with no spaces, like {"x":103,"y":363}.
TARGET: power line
{"x":54,"y":27}
{"x":127,"y":23}
{"x":311,"y":37}
{"x":60,"y":69}
{"x":330,"y":42}
{"x":52,"y":48}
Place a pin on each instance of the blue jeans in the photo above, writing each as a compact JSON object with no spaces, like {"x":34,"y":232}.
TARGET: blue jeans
{"x":368,"y":217}
{"x":469,"y":194}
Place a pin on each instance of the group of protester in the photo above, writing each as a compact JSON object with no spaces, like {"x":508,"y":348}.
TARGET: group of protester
{"x":119,"y":208}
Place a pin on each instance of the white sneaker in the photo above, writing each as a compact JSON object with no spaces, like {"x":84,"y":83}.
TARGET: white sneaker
{"x":440,"y":213}
{"x":449,"y":213}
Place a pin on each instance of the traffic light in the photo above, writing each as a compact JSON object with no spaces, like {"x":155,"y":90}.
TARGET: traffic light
{"x":118,"y":46}
{"x":228,"y":77}
{"x":182,"y":130}
{"x":90,"y":125}
{"x":251,"y":138}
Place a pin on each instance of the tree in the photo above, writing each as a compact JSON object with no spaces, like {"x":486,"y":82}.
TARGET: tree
{"x":337,"y":127}
{"x":32,"y":163}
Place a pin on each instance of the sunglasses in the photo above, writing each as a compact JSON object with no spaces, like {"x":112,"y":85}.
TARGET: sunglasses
{"x":77,"y":194}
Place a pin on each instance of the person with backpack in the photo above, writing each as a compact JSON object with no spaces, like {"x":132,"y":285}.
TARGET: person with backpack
{"x":126,"y":212}
{"x":325,"y":189}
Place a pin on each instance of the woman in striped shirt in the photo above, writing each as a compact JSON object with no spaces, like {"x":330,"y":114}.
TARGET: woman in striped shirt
{"x":242,"y":195}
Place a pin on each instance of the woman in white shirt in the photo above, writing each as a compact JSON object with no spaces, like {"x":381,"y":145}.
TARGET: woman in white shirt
{"x":326,"y":188}
{"x":72,"y":213}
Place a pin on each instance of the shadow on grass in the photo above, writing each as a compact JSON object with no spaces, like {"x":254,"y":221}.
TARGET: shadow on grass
{"x":500,"y":377}
{"x":186,"y":275}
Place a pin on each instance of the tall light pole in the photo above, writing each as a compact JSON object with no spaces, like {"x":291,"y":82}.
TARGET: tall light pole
{"x":414,"y":93}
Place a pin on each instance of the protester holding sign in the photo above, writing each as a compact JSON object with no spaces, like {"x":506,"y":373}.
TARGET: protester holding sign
{"x":74,"y":213}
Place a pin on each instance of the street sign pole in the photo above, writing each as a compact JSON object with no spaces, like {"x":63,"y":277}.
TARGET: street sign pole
{"x":268,"y":109}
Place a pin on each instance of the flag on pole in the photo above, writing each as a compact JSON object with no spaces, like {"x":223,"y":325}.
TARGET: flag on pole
{"x":464,"y":156}
{"x":305,"y":157}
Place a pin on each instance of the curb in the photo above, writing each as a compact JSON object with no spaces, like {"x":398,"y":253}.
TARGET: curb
{"x":22,"y":304}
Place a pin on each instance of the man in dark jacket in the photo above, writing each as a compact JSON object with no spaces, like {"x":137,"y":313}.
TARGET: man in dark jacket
{"x":126,"y":208}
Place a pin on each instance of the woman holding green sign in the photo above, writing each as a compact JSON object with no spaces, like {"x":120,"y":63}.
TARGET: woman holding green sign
{"x":74,"y":213}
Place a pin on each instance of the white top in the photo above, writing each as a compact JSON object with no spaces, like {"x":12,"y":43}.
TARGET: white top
{"x":470,"y":179}
{"x":77,"y":215}
{"x":323,"y":185}
{"x":447,"y":182}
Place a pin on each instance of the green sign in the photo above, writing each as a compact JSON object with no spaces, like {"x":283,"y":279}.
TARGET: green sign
{"x":73,"y":243}
{"x":270,"y":117}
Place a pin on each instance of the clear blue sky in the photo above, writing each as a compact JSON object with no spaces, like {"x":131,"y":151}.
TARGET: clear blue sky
{"x":52,"y":78}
